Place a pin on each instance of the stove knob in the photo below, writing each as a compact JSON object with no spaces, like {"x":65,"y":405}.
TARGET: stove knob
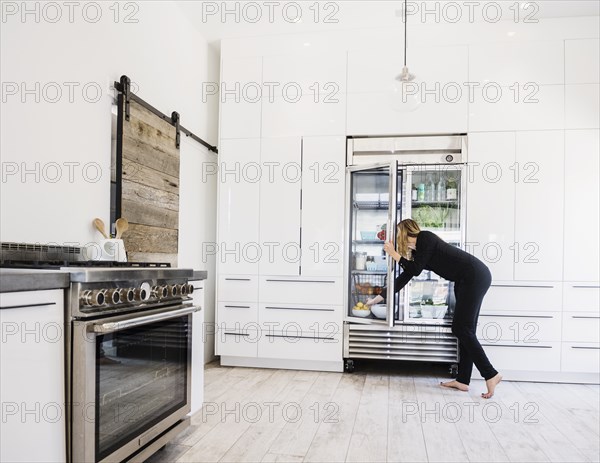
{"x":160,"y":292}
{"x":183,"y":290}
{"x":174,"y":290}
{"x":140,"y":294}
{"x":190,"y":288}
{"x":127,"y":294}
{"x":112,"y":296}
{"x":93,"y":298}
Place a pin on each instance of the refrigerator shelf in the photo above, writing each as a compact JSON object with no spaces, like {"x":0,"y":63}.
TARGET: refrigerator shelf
{"x":371,"y":205}
{"x":454,"y":204}
{"x":379,"y":242}
{"x":368,"y":272}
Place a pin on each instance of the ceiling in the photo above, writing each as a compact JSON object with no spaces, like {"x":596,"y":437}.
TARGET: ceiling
{"x":246,"y":19}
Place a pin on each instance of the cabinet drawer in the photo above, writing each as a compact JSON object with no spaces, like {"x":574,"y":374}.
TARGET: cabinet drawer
{"x":300,"y":318}
{"x":582,"y":296}
{"x":238,"y":288}
{"x":544,"y":356}
{"x":581,"y":327}
{"x":310,"y":347}
{"x":581,"y":357}
{"x":238,"y":343}
{"x":299,"y":290}
{"x":237,"y":315}
{"x":528,"y":328}
{"x":534,"y":296}
{"x":24,"y":299}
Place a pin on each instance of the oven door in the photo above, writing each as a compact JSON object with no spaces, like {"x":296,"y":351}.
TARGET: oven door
{"x":130,"y":380}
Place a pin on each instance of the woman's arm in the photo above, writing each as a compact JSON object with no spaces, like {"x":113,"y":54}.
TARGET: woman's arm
{"x":425,"y":249}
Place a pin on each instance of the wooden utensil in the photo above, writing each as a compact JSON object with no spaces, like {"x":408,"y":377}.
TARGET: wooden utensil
{"x":100,"y":227}
{"x":121,"y":226}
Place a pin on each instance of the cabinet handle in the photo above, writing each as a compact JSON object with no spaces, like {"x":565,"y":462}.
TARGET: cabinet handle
{"x":505,"y":345}
{"x":581,"y":316}
{"x":237,"y":334}
{"x":303,"y":281}
{"x":42,"y":304}
{"x":301,"y":308}
{"x":583,"y":347}
{"x":237,"y":279}
{"x":299,"y":337}
{"x":523,"y":286}
{"x":516,"y":316}
{"x":586,"y":286}
{"x":237,"y":306}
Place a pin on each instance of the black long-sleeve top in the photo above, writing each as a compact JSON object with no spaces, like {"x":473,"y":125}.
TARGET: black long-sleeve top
{"x":433,"y":253}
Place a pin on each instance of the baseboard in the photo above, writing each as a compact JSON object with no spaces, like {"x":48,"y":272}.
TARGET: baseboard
{"x":285,"y":364}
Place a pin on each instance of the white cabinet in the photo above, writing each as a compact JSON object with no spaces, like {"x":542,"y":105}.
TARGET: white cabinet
{"x":582,"y":204}
{"x":581,"y":357}
{"x":582,"y":61}
{"x":581,"y":297}
{"x":438,"y":88}
{"x":323,"y":204}
{"x":241,"y":98}
{"x":537,"y":62}
{"x":517,"y":326}
{"x":539,"y":205}
{"x":238,"y":233}
{"x":32,"y":377}
{"x":544,"y":356}
{"x":490,"y":237}
{"x":582,"y":106}
{"x":280,"y":194}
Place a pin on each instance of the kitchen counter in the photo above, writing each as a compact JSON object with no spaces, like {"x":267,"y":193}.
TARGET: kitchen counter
{"x":14,"y":279}
{"x":199,"y":275}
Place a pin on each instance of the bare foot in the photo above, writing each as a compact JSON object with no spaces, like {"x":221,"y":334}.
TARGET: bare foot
{"x":491,"y":386}
{"x":455,"y":385}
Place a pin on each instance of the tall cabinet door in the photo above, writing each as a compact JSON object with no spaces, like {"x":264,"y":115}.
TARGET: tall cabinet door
{"x":323,"y":205}
{"x":490,"y":236}
{"x":280,"y":196}
{"x":539,"y":179}
{"x":239,"y":174}
{"x":581,"y":205}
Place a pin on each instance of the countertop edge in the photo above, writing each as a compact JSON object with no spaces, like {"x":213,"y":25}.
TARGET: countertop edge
{"x":34,"y":281}
{"x":199,"y":275}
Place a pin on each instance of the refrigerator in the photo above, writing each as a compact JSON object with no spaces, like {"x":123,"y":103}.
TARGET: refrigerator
{"x":387,"y":180}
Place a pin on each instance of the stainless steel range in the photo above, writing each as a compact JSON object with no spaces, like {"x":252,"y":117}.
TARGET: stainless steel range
{"x":129,"y":349}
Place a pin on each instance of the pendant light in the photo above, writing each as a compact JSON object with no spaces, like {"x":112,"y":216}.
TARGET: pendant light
{"x":404,"y":98}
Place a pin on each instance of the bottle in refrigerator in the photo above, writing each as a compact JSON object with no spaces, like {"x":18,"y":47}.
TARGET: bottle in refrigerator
{"x":421,"y":192}
{"x":441,"y":189}
{"x":429,"y":188}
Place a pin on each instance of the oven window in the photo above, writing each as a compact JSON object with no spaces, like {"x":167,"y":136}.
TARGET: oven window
{"x":141,"y":378}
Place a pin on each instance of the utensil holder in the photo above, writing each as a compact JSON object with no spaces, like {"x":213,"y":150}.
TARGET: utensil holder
{"x":113,"y":250}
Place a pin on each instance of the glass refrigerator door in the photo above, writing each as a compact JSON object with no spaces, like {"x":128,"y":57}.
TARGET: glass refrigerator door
{"x":370,"y":189}
{"x":435,"y":203}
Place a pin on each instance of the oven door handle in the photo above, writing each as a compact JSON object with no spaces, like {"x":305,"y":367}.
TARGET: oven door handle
{"x":111,"y":327}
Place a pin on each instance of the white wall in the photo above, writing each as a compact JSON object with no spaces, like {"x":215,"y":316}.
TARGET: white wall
{"x":162,"y":53}
{"x":168,"y":61}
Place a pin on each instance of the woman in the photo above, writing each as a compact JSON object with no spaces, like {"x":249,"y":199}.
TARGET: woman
{"x":418,"y":250}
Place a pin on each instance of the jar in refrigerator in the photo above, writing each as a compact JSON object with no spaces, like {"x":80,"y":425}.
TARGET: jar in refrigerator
{"x":361,"y":260}
{"x":451,"y":189}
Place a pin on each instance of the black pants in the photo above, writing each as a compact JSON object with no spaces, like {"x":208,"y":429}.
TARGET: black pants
{"x":469,"y":293}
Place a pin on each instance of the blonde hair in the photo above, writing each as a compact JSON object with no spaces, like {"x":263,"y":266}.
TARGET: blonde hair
{"x":406,"y":228}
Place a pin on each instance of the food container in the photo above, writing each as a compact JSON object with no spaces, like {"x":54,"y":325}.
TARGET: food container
{"x":379,"y":310}
{"x":360,"y":260}
{"x":368,"y":235}
{"x":361,"y":313}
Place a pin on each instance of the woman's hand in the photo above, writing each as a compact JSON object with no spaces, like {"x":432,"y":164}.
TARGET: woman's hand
{"x":375,"y":300}
{"x":389,"y":248}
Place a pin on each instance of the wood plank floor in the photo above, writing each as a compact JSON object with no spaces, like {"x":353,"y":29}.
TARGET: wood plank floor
{"x":384,"y":412}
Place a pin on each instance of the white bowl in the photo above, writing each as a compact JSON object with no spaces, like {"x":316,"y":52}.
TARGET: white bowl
{"x":379,"y":310}
{"x":440,"y":311}
{"x":361,"y":313}
{"x":427,"y":311}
